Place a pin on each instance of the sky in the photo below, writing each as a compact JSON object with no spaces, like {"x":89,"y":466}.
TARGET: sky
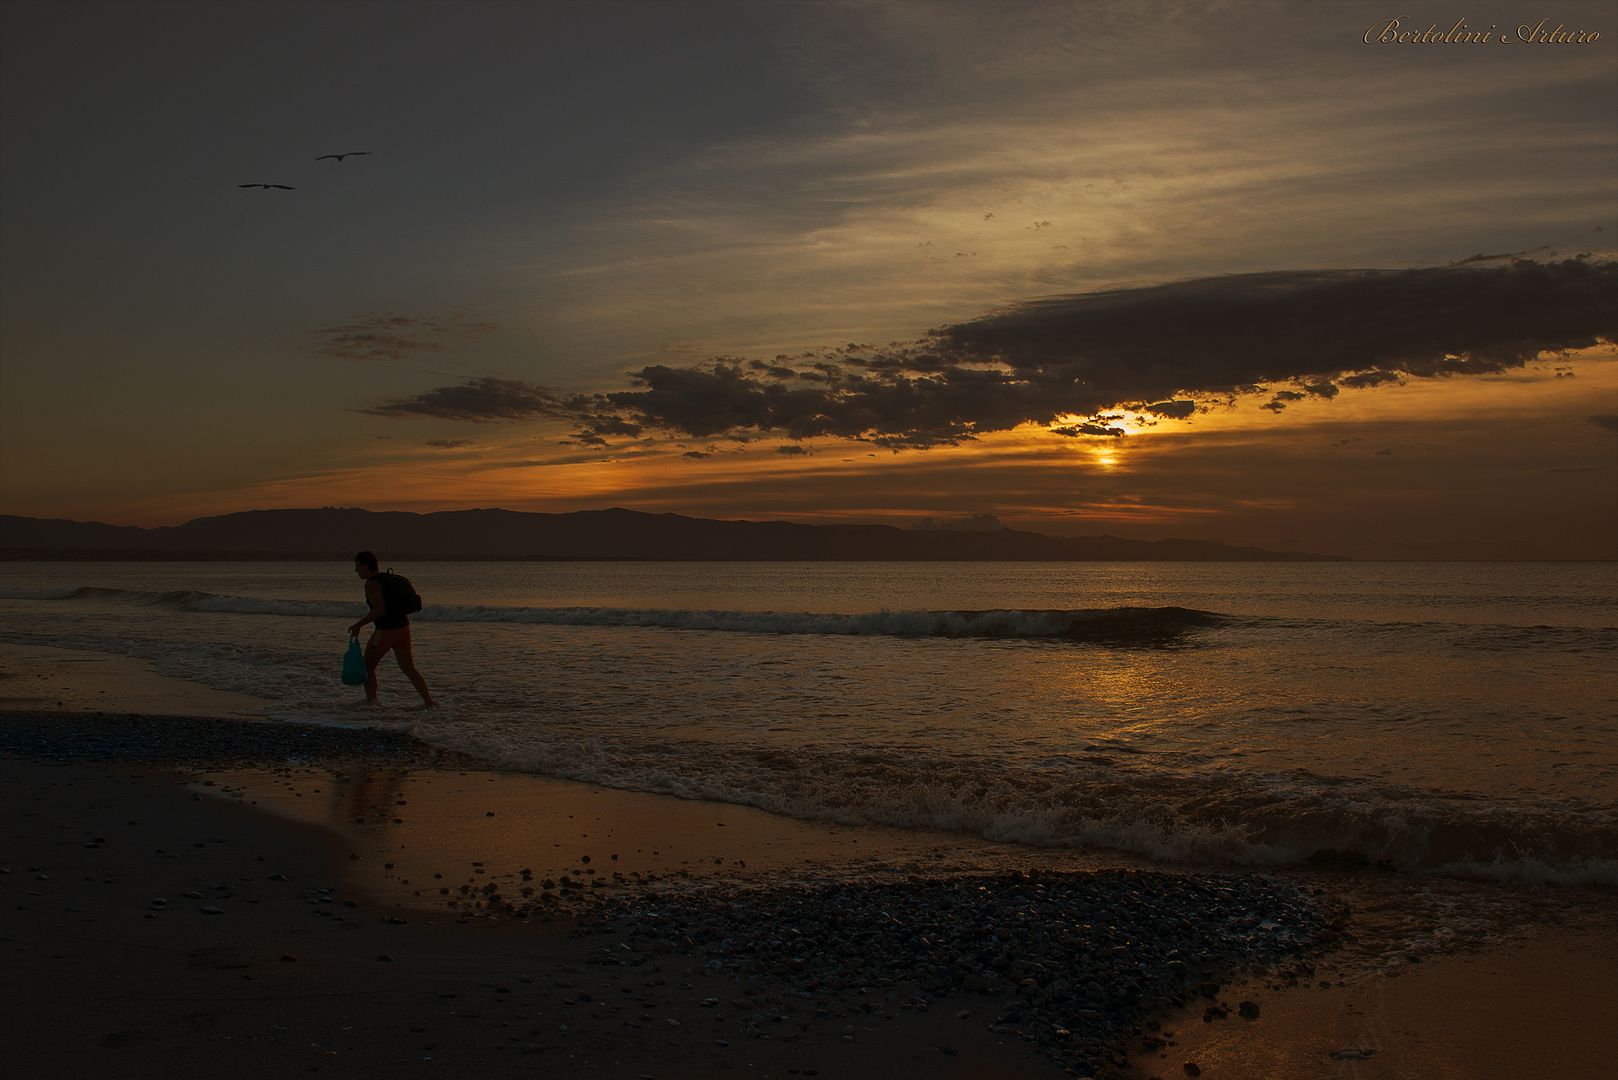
{"x":1228,"y":271}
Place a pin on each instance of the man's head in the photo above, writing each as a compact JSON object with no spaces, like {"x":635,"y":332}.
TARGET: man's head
{"x":365,"y":564}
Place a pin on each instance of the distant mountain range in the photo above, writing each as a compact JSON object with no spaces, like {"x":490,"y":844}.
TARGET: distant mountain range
{"x":332,"y":533}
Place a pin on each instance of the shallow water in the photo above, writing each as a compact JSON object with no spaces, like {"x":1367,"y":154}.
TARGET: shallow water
{"x":1459,"y":718}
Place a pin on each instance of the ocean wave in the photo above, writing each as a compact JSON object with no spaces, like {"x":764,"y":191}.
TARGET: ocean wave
{"x":1109,"y":792}
{"x":1093,"y":624}
{"x":192,"y":600}
{"x":1128,"y":625}
{"x":1222,"y":817}
{"x":1145,"y":624}
{"x":40,"y":594}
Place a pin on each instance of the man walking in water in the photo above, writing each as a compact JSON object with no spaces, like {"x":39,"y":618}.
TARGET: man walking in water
{"x":392,"y":631}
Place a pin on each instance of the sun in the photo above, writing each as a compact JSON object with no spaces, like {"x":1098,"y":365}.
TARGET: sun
{"x":1099,"y":436}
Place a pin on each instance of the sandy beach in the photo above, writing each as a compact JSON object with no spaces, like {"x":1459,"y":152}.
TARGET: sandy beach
{"x":198,"y":914}
{"x":859,"y":539}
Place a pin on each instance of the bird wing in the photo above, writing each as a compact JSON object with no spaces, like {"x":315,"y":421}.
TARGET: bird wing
{"x":283,"y":187}
{"x":323,"y":157}
{"x":252,"y":185}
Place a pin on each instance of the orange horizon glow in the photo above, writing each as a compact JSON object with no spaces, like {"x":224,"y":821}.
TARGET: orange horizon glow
{"x":1028,"y":477}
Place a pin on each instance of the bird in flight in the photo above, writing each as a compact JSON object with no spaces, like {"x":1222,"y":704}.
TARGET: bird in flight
{"x":339,"y":157}
{"x":283,"y":187}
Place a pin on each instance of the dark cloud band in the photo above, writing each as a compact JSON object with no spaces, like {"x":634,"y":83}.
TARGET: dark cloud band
{"x":480,"y":401}
{"x":1156,"y":350}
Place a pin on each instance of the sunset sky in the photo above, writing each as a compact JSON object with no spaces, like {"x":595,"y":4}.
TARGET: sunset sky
{"x":1221,"y":271}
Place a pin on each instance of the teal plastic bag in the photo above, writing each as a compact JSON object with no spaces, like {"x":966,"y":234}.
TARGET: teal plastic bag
{"x":353,"y":664}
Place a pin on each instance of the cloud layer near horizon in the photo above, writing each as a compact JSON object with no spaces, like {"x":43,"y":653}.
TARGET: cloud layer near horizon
{"x":1052,"y":359}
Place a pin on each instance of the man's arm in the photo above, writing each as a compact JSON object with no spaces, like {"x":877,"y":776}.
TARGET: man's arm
{"x":373,"y":596}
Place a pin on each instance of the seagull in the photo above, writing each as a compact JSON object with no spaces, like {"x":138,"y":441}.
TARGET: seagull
{"x":283,"y":187}
{"x":339,"y":157}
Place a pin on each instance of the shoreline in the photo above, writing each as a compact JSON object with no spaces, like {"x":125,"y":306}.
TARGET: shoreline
{"x":1429,"y":976}
{"x":1380,"y":1019}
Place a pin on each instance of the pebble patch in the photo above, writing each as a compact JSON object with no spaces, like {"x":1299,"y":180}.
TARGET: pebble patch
{"x":1069,"y":961}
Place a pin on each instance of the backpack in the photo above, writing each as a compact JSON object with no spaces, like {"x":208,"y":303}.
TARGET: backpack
{"x":398,"y":594}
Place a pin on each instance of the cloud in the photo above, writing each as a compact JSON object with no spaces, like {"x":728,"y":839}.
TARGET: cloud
{"x":1040,"y":360}
{"x":1173,"y":410}
{"x":1606,"y":421}
{"x":1063,"y":361}
{"x":1282,"y":399}
{"x":447,"y":444}
{"x":480,"y":401}
{"x":1071,"y":430}
{"x":1301,"y":325}
{"x":1368,"y":379}
{"x":394,"y":337}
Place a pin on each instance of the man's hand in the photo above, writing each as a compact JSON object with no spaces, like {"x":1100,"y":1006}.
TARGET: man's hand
{"x":354,"y":631}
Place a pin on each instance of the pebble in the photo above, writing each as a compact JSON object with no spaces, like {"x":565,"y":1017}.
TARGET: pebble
{"x":1072,"y":961}
{"x":210,"y":910}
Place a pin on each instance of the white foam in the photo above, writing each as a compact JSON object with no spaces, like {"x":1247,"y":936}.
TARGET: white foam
{"x":38,"y":594}
{"x":1229,"y":818}
{"x":941,"y":773}
{"x":903,"y":623}
{"x":991,"y":623}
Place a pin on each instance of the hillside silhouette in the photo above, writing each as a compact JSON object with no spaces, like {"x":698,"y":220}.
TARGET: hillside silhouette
{"x":616,"y":534}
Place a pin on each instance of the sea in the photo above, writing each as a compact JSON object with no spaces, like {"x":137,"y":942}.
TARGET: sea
{"x":1449,"y":719}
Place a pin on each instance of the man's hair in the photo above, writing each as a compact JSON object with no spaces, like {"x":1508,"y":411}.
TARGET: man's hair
{"x":366,"y":559}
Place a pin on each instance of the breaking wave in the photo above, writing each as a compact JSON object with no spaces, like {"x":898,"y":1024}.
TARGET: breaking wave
{"x":1126,"y":623}
{"x":1492,"y":742}
{"x":1222,"y":817}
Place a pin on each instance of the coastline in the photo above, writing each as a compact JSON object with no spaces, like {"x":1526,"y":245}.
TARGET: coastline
{"x":209,"y":991}
{"x":244,"y":971}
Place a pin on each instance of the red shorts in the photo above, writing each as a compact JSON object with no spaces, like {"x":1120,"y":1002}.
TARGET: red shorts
{"x":383,"y":640}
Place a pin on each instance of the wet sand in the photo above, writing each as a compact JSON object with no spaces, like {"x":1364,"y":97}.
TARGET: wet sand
{"x":240,"y":972}
{"x":259,"y":972}
{"x":1544,"y":1005}
{"x":42,"y":678}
